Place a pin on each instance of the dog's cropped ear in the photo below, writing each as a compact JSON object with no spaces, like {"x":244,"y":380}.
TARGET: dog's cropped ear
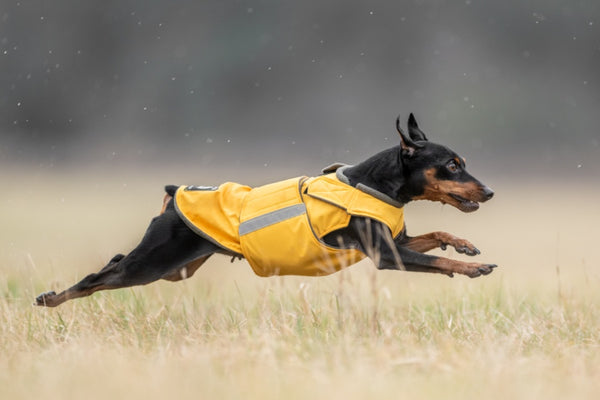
{"x":406,"y":143}
{"x":415,"y":133}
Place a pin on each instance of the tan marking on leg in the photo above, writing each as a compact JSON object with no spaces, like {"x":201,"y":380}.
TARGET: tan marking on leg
{"x":433,"y":240}
{"x":472,"y":270}
{"x":423,"y":243}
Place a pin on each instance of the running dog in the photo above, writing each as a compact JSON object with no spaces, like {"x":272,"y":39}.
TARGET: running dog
{"x":310,"y":226}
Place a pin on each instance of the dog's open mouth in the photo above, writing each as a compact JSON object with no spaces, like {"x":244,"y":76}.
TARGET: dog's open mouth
{"x":464,"y":205}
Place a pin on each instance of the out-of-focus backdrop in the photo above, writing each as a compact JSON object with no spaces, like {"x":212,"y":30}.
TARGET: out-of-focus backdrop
{"x":104,"y":102}
{"x":512,"y":85}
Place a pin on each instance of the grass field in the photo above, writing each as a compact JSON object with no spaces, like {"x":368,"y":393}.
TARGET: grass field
{"x":531,"y":330}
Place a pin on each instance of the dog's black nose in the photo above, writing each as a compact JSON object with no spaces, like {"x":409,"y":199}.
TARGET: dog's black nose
{"x":488,"y":193}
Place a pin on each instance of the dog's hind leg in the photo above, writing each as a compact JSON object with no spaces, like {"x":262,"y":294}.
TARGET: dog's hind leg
{"x":167,"y":247}
{"x":114,"y":260}
{"x":186,"y":271}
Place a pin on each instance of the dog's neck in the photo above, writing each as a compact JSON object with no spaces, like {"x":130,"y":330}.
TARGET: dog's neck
{"x":382,"y":173}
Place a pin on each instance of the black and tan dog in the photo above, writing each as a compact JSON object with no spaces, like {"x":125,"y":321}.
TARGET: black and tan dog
{"x":305,"y":226}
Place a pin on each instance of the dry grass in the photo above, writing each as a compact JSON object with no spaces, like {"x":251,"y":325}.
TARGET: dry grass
{"x":530,"y":330}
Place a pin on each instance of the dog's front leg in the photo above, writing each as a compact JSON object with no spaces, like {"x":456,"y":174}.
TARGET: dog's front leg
{"x":419,"y":262}
{"x":401,"y":257}
{"x":433,"y":240}
{"x":375,"y":240}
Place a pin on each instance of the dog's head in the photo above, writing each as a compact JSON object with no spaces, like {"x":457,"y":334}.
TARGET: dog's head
{"x":434,"y":172}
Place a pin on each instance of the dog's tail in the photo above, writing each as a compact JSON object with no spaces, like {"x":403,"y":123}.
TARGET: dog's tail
{"x":171,"y":189}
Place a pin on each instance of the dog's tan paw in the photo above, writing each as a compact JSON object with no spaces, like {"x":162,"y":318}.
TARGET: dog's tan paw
{"x":45,"y":299}
{"x":475,"y":270}
{"x":461,"y":246}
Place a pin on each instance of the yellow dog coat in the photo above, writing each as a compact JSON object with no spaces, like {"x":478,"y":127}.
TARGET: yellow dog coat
{"x":279,"y":227}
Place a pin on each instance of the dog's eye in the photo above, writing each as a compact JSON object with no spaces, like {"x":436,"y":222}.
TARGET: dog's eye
{"x":452,"y":167}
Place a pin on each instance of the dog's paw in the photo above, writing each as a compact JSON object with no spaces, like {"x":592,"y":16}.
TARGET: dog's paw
{"x":45,"y":299}
{"x":468,"y":250}
{"x":461,"y":246}
{"x":476,"y":270}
